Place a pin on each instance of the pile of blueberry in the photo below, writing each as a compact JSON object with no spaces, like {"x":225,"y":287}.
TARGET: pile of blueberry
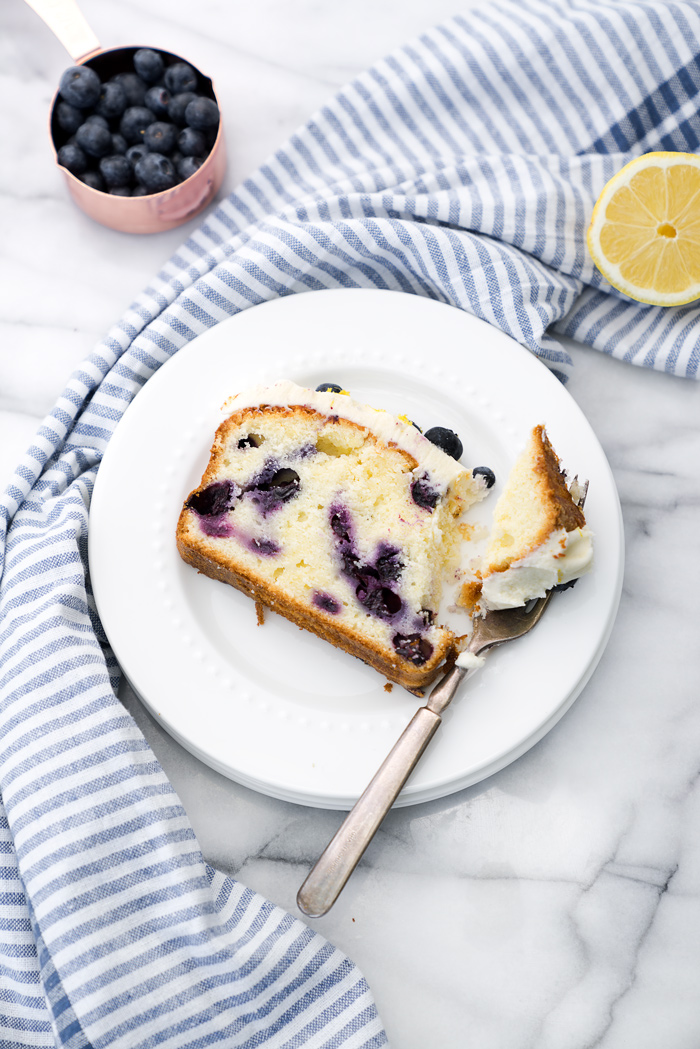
{"x":139,"y":132}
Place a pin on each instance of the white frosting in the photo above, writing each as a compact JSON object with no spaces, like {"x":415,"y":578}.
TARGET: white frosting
{"x":563,"y":557}
{"x":442,"y":467}
{"x":469,"y":661}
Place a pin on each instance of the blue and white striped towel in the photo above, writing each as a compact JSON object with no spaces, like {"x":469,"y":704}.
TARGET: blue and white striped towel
{"x":463,"y":167}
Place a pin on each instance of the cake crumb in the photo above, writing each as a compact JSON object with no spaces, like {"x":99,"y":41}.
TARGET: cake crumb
{"x":469,"y":595}
{"x":260,"y":612}
{"x":388,"y":687}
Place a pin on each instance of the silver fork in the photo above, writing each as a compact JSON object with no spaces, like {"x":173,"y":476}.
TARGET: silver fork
{"x":331,"y":871}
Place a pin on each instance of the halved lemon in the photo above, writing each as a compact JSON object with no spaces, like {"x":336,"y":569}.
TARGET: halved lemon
{"x":644,"y":234}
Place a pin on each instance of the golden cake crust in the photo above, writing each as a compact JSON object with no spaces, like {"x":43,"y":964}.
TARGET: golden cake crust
{"x":402,"y":673}
{"x":551,"y":481}
{"x":548,"y":491}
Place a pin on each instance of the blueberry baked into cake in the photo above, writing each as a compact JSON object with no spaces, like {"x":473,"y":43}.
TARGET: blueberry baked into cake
{"x":340,"y":517}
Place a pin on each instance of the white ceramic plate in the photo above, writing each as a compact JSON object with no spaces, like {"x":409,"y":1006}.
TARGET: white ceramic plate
{"x":274,"y":707}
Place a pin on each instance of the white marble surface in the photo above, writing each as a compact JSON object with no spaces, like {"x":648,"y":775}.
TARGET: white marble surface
{"x":556,"y":905}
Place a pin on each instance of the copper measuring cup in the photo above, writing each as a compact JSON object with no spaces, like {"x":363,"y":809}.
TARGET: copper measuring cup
{"x":158,"y":211}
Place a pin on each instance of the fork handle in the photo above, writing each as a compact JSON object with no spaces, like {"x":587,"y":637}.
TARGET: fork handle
{"x":335,"y":865}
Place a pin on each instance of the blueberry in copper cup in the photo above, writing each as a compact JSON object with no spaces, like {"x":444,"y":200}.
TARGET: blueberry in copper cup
{"x":111,"y":101}
{"x":110,"y":126}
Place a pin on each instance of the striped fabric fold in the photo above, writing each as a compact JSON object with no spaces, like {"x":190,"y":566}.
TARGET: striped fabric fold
{"x":463,"y":167}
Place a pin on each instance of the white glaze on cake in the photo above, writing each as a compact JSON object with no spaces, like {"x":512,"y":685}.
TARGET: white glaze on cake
{"x":563,"y":557}
{"x":386,"y":427}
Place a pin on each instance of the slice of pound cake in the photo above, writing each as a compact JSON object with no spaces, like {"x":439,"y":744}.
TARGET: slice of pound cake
{"x":539,"y":537}
{"x":338,"y":516}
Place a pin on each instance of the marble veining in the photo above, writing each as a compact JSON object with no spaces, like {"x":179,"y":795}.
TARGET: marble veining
{"x":555,"y":905}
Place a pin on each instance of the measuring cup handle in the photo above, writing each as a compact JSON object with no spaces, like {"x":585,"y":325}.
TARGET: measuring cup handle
{"x":66,"y":22}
